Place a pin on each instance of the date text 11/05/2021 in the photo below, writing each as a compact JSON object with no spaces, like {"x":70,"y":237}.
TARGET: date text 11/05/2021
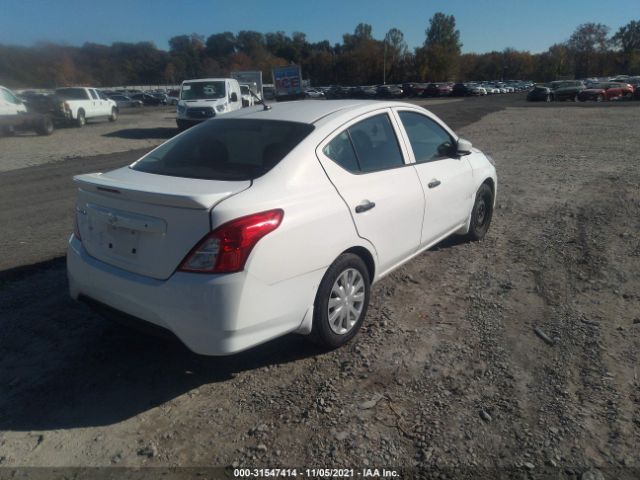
{"x":315,"y":473}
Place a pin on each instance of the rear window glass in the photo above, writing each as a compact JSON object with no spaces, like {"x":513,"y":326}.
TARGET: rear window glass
{"x":72,"y":93}
{"x":225,"y":149}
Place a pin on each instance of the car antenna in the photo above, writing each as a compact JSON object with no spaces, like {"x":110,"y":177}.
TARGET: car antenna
{"x":265,"y":107}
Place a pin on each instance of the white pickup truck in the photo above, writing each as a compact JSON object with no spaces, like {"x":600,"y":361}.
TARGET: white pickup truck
{"x":79,"y":104}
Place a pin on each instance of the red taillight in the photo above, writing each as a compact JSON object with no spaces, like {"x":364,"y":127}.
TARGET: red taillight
{"x":227,"y":248}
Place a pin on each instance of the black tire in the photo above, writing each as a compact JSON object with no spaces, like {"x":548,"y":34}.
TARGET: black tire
{"x":548,"y":98}
{"x":81,"y":120}
{"x":182,"y":125}
{"x":44,"y":126}
{"x":481,"y":213}
{"x":114,"y":115}
{"x":600,"y":98}
{"x":322,"y":333}
{"x":575,"y":98}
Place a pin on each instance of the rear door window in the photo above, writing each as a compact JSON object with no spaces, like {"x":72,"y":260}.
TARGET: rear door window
{"x":225,"y":149}
{"x":341,"y":151}
{"x":376,"y":144}
{"x":367,"y":146}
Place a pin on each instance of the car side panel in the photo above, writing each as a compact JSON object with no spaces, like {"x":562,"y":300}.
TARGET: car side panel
{"x":393,"y":224}
{"x":315,"y":229}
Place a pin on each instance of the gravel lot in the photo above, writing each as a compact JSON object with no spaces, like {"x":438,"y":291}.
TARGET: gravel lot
{"x":135,"y":128}
{"x":514,"y":357}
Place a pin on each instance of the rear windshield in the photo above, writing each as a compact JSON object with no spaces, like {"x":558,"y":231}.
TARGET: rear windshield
{"x":72,"y":93}
{"x":225,"y":149}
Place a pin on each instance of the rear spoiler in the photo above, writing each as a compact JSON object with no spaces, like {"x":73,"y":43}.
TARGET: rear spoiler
{"x":169,"y":191}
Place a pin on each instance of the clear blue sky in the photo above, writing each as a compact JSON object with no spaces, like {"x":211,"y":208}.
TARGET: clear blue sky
{"x":484,"y":25}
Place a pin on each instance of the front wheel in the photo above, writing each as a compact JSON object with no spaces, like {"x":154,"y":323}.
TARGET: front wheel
{"x":114,"y":115}
{"x":341,"y":302}
{"x":481,"y":213}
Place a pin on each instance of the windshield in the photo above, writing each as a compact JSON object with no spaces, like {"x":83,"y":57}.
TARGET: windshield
{"x":202,"y":90}
{"x":218,"y":149}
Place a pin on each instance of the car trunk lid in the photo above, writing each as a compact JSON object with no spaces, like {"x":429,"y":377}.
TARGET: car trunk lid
{"x":146,"y":223}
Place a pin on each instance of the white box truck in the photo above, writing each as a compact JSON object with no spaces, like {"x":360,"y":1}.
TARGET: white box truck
{"x":251,"y":78}
{"x":288,"y":83}
{"x":205,"y":98}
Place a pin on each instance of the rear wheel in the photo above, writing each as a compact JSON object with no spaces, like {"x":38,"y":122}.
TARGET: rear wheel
{"x":548,"y":98}
{"x":600,"y":98}
{"x":81,"y":120}
{"x":341,"y":302}
{"x":481,"y":213}
{"x":45,"y":126}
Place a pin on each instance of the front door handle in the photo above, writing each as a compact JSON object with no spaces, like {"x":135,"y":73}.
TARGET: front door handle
{"x":364,"y":206}
{"x":433,"y":183}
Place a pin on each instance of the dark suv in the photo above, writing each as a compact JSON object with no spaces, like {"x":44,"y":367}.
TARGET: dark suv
{"x":566,"y":89}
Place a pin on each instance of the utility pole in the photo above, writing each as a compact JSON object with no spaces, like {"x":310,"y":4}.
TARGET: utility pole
{"x":384,"y":63}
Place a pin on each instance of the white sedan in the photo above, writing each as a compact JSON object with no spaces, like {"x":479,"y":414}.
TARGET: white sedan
{"x":229,"y":243}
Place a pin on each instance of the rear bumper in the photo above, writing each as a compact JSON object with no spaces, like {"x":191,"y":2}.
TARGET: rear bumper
{"x":210,"y":314}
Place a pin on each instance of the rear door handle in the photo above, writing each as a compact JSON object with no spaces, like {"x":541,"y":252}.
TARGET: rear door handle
{"x":433,"y":183}
{"x":364,"y":206}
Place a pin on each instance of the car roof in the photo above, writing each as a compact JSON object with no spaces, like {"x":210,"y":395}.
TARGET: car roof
{"x":311,"y":112}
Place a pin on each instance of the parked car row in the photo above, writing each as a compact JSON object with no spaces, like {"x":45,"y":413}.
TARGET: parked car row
{"x":425,"y":90}
{"x":579,"y":90}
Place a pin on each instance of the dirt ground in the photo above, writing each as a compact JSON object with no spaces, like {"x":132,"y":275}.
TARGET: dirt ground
{"x":135,"y":128}
{"x":513,"y":357}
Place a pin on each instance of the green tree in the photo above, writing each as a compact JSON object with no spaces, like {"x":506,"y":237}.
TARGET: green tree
{"x":588,"y":42}
{"x":251,"y":43}
{"x":395,"y":52}
{"x":188,"y":50}
{"x":442,"y":46}
{"x":627,"y":39}
{"x":221,"y":45}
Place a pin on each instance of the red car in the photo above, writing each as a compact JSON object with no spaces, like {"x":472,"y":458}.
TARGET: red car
{"x":437,"y":90}
{"x":607,"y":91}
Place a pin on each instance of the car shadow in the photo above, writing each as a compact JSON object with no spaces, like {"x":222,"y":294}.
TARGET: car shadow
{"x":143,"y":133}
{"x":452,"y":241}
{"x":63,"y":366}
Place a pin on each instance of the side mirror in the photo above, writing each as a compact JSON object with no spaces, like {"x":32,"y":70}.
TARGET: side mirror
{"x":463,"y":147}
{"x":234,"y":97}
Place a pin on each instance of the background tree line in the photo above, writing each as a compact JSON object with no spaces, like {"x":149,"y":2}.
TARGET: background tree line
{"x":360,"y":59}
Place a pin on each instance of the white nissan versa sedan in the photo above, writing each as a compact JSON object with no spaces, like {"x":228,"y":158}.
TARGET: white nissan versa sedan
{"x":269,"y":221}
